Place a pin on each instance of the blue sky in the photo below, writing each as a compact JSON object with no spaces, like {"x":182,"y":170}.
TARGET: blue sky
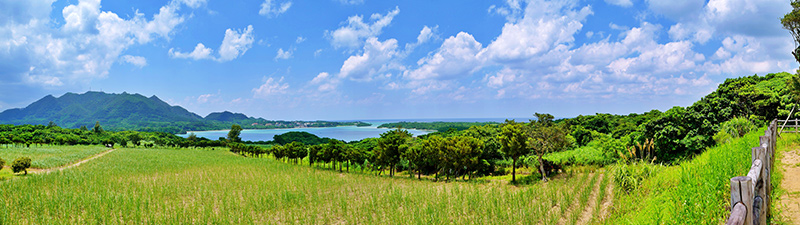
{"x":369,"y":59}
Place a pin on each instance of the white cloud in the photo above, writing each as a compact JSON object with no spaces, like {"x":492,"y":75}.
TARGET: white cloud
{"x":351,"y":2}
{"x":204,"y":98}
{"x":676,"y":9}
{"x":284,"y":54}
{"x":84,"y":48}
{"x":425,"y":34}
{"x":200,"y":52}
{"x":545,"y":27}
{"x":273,"y":9}
{"x":325,"y":82}
{"x":236,"y":43}
{"x":270,"y":88}
{"x":300,"y":39}
{"x":457,"y":57}
{"x":135,"y":60}
{"x":511,"y":10}
{"x":377,"y":57}
{"x":623,"y":3}
{"x":502,"y":77}
{"x":356,"y":30}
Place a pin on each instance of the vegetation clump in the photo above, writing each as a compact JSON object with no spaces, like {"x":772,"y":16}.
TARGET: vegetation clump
{"x":21,"y":165}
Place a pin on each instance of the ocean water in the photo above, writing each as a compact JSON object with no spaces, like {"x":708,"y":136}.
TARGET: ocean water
{"x":348,"y":133}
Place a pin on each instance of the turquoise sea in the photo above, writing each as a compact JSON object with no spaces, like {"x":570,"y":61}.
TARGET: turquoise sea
{"x":348,"y":133}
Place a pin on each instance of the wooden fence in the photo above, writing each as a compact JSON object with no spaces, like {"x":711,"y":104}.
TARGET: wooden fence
{"x":750,"y":194}
{"x":795,"y":123}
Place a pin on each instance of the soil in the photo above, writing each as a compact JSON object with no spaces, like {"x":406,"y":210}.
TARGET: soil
{"x":790,"y":200}
{"x":588,"y":211}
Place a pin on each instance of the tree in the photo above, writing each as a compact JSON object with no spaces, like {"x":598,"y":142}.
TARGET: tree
{"x":791,"y":22}
{"x":83,"y":128}
{"x":233,"y":135}
{"x":391,"y":146}
{"x":119,"y":139}
{"x":135,"y":138}
{"x":465,"y":154}
{"x":513,"y":141}
{"x":21,"y":164}
{"x":51,"y":124}
{"x":545,"y":137}
{"x":97,"y":129}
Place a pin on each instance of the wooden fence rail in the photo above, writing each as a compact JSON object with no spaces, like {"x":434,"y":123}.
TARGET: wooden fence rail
{"x":750,"y":194}
{"x":795,"y":123}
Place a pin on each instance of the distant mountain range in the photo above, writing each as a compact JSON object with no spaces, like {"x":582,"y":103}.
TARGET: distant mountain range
{"x":136,"y":112}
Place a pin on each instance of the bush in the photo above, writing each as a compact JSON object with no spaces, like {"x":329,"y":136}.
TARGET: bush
{"x":734,"y":128}
{"x":2,"y":163}
{"x":21,"y":164}
{"x":629,"y":177}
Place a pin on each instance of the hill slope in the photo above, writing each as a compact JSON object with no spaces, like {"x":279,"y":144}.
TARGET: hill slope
{"x":136,"y":112}
{"x":113,"y":111}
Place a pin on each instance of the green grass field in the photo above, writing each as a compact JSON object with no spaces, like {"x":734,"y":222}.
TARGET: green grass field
{"x":50,"y":156}
{"x":164,"y":186}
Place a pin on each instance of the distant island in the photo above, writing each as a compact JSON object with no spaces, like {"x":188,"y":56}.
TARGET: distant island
{"x":136,"y":112}
{"x":438,"y":126}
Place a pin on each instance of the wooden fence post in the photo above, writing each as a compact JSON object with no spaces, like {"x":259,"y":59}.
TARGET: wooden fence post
{"x":741,"y":192}
{"x":760,"y":189}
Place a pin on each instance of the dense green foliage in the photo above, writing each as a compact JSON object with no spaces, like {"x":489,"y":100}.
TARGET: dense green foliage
{"x":135,"y":112}
{"x":299,"y":136}
{"x":21,"y":165}
{"x":694,"y":192}
{"x":437,"y":126}
{"x":40,"y":135}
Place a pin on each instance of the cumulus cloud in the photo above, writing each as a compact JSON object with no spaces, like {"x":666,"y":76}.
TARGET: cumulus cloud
{"x":623,"y":3}
{"x":236,"y":43}
{"x":284,"y":54}
{"x":456,"y":57}
{"x":270,"y":88}
{"x":84,"y":48}
{"x":377,"y":57}
{"x":351,"y":2}
{"x":135,"y":60}
{"x":325,"y":82}
{"x":356,"y":31}
{"x":200,"y":52}
{"x":273,"y":9}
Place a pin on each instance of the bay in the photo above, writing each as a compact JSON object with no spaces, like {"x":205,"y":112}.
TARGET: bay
{"x":345,"y":133}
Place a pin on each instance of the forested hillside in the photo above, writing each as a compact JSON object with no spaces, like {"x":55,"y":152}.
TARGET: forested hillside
{"x":136,"y":112}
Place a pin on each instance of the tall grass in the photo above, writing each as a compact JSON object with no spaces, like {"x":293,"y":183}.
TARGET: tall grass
{"x":49,"y":156}
{"x":694,"y":192}
{"x":199,"y":187}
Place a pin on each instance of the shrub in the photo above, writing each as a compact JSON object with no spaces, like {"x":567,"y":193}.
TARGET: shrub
{"x":21,"y":164}
{"x":734,"y":128}
{"x":2,"y":163}
{"x":629,"y":177}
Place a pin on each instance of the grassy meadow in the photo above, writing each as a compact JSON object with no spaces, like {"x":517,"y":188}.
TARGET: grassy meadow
{"x":215,"y":186}
{"x":694,"y":192}
{"x":49,"y":156}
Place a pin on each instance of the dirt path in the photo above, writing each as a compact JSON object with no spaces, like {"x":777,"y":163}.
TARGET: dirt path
{"x":608,"y":200}
{"x":60,"y":168}
{"x":574,"y":206}
{"x":588,"y":211}
{"x":790,"y":201}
